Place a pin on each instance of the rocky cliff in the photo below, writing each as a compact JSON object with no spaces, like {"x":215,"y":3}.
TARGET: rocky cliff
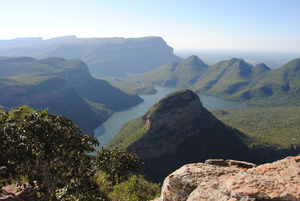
{"x":179,"y":130}
{"x":234,"y":180}
{"x":54,"y":93}
{"x":64,"y":86}
{"x":100,"y":91}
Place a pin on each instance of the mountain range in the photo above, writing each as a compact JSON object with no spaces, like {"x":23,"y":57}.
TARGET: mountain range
{"x":108,"y":56}
{"x":232,"y":79}
{"x":64,"y":86}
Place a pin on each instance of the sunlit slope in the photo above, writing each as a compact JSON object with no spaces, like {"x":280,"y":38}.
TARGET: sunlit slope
{"x":233,"y":79}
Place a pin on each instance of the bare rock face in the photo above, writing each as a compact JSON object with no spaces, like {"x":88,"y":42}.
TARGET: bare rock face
{"x":232,"y":180}
{"x":178,"y":130}
{"x":171,"y":124}
{"x":54,"y":93}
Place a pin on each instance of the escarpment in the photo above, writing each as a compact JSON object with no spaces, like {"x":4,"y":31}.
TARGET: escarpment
{"x":114,"y":56}
{"x":54,"y":93}
{"x":64,"y":86}
{"x":96,"y":90}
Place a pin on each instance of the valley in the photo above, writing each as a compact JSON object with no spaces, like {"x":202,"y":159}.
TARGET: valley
{"x":106,"y":131}
{"x":247,"y":110}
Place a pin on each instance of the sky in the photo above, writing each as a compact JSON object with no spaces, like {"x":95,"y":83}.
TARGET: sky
{"x":248,"y":25}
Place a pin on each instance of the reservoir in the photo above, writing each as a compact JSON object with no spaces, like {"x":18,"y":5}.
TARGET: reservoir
{"x":110,"y":128}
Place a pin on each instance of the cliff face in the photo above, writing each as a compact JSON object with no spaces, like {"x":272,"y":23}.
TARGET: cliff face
{"x":60,"y":85}
{"x":179,"y":130}
{"x":108,"y":56}
{"x":170,"y":122}
{"x":96,"y":90}
{"x":116,"y":57}
{"x":178,"y":121}
{"x":54,"y":93}
{"x":234,"y":180}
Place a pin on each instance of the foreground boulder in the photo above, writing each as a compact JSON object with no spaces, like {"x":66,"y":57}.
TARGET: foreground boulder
{"x":234,"y":180}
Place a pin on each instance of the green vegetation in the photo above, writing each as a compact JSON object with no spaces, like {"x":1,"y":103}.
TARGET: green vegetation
{"x":135,"y":88}
{"x":11,"y":66}
{"x":275,"y":127}
{"x":117,"y":164}
{"x":61,"y":85}
{"x":124,"y":85}
{"x":31,"y":79}
{"x":47,"y":154}
{"x":136,"y":188}
{"x":100,"y":110}
{"x":234,"y":79}
{"x":163,"y":105}
{"x":183,"y":73}
{"x":129,"y":133}
{"x":48,"y":150}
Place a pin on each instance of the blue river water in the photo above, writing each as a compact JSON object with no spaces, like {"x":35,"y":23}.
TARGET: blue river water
{"x":110,"y":128}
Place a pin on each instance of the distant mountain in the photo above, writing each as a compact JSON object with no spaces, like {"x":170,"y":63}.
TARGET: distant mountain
{"x":232,"y":79}
{"x":184,"y":73}
{"x":179,"y":130}
{"x":276,"y":87}
{"x":64,"y":86}
{"x":55,"y":93}
{"x":108,"y":56}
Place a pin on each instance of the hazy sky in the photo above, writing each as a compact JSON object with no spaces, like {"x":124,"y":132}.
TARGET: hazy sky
{"x":259,"y":25}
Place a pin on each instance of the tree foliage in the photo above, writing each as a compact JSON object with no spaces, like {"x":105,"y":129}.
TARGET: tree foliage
{"x":135,"y":188}
{"x":116,"y":163}
{"x":49,"y":150}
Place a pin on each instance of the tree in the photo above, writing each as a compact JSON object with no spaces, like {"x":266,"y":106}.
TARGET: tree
{"x":135,"y":188}
{"x":116,"y":163}
{"x":49,"y":150}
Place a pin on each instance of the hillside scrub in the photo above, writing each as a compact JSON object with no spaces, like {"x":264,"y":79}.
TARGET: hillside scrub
{"x":49,"y":155}
{"x":46,"y":149}
{"x":276,"y":127}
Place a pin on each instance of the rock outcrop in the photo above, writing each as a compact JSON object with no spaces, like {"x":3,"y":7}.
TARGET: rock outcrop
{"x":179,"y":130}
{"x":232,"y":181}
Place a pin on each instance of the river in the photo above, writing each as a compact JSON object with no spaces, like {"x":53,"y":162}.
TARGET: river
{"x":110,"y":128}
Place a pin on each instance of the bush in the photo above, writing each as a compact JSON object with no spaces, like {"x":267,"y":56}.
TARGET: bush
{"x":117,"y":164}
{"x":136,"y":188}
